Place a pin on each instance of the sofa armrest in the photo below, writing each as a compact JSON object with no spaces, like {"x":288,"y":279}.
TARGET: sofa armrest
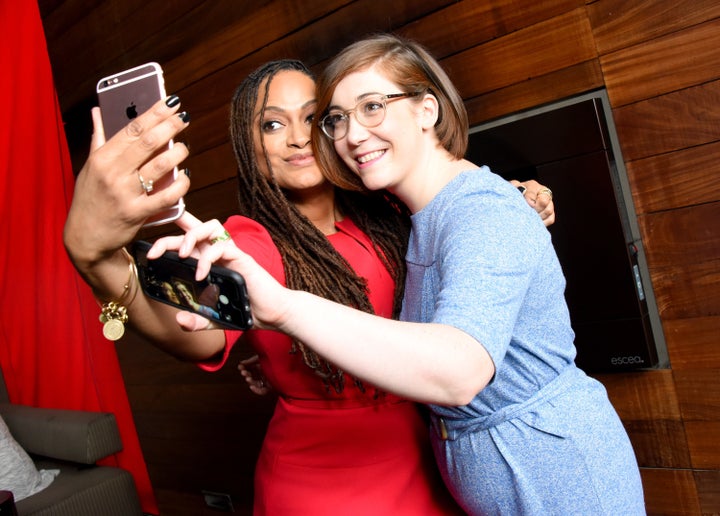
{"x":72,"y":435}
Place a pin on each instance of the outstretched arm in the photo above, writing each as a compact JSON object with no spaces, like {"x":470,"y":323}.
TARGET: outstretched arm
{"x":432,"y":363}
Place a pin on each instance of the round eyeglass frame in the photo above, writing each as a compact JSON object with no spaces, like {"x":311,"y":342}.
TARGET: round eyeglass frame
{"x":325,"y":124}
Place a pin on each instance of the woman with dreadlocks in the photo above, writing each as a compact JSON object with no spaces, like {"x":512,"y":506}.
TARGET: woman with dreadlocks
{"x":335,"y":445}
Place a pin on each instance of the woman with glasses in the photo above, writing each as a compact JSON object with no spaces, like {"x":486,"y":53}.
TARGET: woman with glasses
{"x":484,"y":337}
{"x":335,"y":444}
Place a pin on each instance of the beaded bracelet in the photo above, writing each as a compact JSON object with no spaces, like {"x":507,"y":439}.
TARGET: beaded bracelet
{"x":113,"y":314}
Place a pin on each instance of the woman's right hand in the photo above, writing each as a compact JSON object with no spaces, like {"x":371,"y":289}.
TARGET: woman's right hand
{"x":109,"y":204}
{"x":269,"y":300}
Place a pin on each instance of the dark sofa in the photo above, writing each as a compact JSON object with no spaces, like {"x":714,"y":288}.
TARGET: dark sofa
{"x":71,"y":441}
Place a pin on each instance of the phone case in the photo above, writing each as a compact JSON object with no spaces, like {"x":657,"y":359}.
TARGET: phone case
{"x":122,"y":97}
{"x":221,"y":296}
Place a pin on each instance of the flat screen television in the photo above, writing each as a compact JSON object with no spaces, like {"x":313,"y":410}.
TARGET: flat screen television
{"x":571,"y":146}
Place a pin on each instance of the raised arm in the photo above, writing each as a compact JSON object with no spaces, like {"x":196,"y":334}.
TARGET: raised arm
{"x":110,"y":206}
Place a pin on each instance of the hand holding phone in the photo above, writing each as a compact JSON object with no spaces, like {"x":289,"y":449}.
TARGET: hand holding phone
{"x":122,"y":97}
{"x":221,"y":297}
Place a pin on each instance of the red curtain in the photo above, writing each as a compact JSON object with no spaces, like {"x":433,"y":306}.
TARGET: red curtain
{"x":52,"y":352}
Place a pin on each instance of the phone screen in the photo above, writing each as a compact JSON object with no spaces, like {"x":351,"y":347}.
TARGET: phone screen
{"x":221,"y":296}
{"x":124,"y":96}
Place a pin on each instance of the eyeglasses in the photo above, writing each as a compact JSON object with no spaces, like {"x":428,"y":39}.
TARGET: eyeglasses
{"x":369,"y":112}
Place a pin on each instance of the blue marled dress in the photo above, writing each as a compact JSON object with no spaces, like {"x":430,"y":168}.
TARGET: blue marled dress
{"x":542,"y":438}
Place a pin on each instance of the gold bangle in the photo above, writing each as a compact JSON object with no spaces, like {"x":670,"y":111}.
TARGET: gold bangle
{"x":113,"y":314}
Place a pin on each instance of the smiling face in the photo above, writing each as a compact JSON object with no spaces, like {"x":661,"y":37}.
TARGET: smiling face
{"x":384,"y":156}
{"x":284,"y":127}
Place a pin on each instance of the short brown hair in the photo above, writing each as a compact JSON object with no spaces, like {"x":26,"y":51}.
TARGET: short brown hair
{"x":412,"y":67}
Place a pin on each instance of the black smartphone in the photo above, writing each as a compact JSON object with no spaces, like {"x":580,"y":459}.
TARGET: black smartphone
{"x":221,"y":297}
{"x":122,"y":97}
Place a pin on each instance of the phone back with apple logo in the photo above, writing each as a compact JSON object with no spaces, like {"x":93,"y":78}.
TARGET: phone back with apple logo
{"x":122,"y":97}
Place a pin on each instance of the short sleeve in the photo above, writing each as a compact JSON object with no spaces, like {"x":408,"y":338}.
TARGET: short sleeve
{"x":488,"y":249}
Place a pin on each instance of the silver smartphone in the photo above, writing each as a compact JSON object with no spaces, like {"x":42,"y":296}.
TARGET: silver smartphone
{"x":122,"y":97}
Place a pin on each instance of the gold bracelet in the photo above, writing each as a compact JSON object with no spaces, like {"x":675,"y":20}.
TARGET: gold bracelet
{"x":114,"y":313}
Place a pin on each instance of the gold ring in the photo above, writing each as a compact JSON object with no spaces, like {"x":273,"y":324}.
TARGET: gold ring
{"x":146,"y":186}
{"x":546,"y":191}
{"x":221,"y":238}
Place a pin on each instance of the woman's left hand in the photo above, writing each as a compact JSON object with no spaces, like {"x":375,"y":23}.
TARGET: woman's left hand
{"x":540,"y":198}
{"x":251,"y":370}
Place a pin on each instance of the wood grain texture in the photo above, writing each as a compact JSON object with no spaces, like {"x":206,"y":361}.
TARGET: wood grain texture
{"x":670,"y":492}
{"x":693,"y":343}
{"x":684,"y":236}
{"x":687,"y":292}
{"x":469,"y":23}
{"x":535,"y":92}
{"x":620,"y":24}
{"x":698,"y":392}
{"x":545,"y":47}
{"x":708,"y":488}
{"x":703,"y":444}
{"x":671,"y":122}
{"x":671,"y":63}
{"x":687,"y":177}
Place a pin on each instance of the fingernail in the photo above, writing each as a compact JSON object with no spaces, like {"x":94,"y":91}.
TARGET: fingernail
{"x":184,"y":116}
{"x":187,"y":172}
{"x":172,"y":101}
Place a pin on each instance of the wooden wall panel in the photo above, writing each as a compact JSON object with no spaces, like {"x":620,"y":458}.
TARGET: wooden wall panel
{"x":670,"y":492}
{"x":671,"y":122}
{"x":703,"y":444}
{"x":620,"y":24}
{"x":708,"y":488}
{"x":674,"y":180}
{"x":544,"y":48}
{"x":214,"y":165}
{"x":259,"y":27}
{"x":466,"y":24}
{"x":698,"y":393}
{"x":683,"y":236}
{"x":667,"y":64}
{"x":535,"y":92}
{"x":118,"y":35}
{"x":687,"y":292}
{"x":693,"y":343}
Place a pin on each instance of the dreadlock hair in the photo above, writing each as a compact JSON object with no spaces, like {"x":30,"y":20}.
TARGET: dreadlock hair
{"x":311,"y":263}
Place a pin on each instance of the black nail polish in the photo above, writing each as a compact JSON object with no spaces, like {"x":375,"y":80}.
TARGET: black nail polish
{"x":184,"y":116}
{"x":187,"y":172}
{"x":172,"y":101}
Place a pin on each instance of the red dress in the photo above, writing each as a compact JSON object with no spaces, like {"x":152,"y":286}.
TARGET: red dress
{"x":353,"y":453}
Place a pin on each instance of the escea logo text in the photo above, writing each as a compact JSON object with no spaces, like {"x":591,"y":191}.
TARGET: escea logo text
{"x":629,"y":360}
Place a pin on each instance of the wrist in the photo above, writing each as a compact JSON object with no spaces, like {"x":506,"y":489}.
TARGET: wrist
{"x":82,"y":253}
